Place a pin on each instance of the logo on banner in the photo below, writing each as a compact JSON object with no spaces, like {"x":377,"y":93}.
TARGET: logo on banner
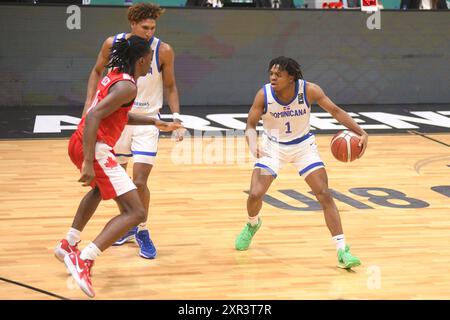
{"x":369,"y":5}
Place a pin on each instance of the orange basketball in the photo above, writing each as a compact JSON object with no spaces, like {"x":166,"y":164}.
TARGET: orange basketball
{"x":344,"y":146}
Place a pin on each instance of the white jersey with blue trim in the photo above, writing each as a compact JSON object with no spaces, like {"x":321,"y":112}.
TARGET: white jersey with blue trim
{"x":149,"y":98}
{"x":289,"y":122}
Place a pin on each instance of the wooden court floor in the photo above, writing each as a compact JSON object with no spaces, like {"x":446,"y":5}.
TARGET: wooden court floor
{"x":198,"y":208}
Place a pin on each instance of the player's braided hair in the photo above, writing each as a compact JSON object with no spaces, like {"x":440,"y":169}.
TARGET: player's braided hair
{"x":124,"y":53}
{"x":143,"y":11}
{"x":290,"y":65}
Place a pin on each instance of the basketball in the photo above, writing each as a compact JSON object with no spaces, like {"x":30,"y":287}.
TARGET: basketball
{"x":344,"y":146}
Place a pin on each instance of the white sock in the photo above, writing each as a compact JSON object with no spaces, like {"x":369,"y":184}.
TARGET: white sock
{"x":91,"y":252}
{"x":142,"y":226}
{"x":73,"y":236}
{"x":253,"y":220}
{"x":339,"y":240}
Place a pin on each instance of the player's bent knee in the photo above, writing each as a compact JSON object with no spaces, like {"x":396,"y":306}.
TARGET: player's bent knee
{"x":136,"y":214}
{"x":323,"y":195}
{"x":140,"y":184}
{"x":255,"y":195}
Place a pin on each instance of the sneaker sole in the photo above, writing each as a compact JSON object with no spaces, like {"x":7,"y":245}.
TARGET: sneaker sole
{"x":147,"y":257}
{"x":349,"y":266}
{"x":122,"y":242}
{"x":73,"y":271}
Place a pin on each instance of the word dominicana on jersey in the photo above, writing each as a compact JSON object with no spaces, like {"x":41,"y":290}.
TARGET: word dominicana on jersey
{"x":226,"y":309}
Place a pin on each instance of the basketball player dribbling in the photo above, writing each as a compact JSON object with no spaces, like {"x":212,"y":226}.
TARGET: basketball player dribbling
{"x":90,"y":149}
{"x":141,"y":142}
{"x":284,"y":105}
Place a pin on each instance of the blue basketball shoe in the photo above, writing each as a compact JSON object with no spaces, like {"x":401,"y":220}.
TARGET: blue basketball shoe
{"x":147,"y":249}
{"x":129,"y":236}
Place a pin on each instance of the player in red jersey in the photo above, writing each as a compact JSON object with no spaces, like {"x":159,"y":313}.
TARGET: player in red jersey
{"x":90,"y":149}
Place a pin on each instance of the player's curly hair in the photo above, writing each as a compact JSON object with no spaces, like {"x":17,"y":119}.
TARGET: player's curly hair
{"x":124,"y":53}
{"x":143,"y":11}
{"x":290,"y":65}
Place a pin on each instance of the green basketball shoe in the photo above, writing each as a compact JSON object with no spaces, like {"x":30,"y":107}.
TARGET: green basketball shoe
{"x":244,"y":239}
{"x":346,"y":260}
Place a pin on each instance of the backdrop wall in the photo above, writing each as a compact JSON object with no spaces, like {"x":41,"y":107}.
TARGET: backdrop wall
{"x":222,"y":55}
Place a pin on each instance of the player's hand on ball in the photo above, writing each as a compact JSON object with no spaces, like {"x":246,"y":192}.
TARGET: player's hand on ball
{"x":87,"y":173}
{"x":363,"y":140}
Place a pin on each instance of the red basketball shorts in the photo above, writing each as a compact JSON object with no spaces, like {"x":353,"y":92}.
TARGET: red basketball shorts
{"x":110,"y":177}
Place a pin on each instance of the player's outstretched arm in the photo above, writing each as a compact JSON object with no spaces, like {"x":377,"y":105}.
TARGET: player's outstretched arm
{"x":254,"y":115}
{"x":140,"y":119}
{"x":316,"y":94}
{"x":121,"y":93}
{"x":97,"y":72}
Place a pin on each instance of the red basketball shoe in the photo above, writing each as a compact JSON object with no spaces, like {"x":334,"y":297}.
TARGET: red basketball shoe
{"x":80,"y":270}
{"x":63,"y":248}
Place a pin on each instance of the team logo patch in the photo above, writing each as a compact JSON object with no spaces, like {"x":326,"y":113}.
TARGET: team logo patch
{"x":300,"y":98}
{"x":110,"y":163}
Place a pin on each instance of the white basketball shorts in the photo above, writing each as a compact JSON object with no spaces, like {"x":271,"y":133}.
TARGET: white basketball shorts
{"x":304,"y":156}
{"x":139,"y":142}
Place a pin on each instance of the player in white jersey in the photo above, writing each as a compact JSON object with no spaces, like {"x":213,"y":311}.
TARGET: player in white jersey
{"x":141,"y":142}
{"x":284,"y":105}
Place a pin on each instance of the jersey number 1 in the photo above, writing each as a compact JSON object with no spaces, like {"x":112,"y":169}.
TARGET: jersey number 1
{"x":288,"y":127}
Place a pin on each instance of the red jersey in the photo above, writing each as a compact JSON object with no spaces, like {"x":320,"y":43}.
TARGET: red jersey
{"x":111,"y":127}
